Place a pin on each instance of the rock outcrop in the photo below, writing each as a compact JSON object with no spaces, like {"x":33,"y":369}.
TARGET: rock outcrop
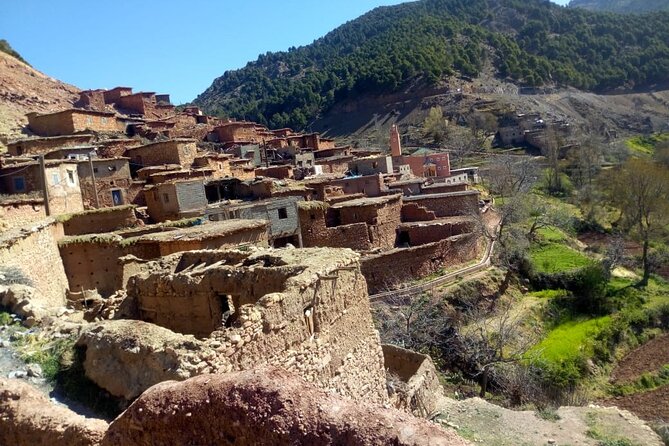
{"x":28,"y":418}
{"x":127,"y":357}
{"x":269,"y":407}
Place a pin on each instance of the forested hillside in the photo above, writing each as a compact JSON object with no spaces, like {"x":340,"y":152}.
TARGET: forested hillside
{"x":530,"y":42}
{"x":622,"y":6}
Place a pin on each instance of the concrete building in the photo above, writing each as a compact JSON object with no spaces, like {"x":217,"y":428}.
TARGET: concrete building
{"x":175,"y":200}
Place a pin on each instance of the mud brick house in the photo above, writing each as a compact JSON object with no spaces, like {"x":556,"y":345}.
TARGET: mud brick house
{"x":276,"y":172}
{"x":176,"y":151}
{"x":112,"y":181}
{"x":334,"y":164}
{"x":114,"y":95}
{"x":372,"y":165}
{"x":62,"y":183}
{"x":72,"y":153}
{"x":95,"y":261}
{"x":407,"y":187}
{"x":175,"y":200}
{"x":424,"y":232}
{"x":361,"y":224}
{"x":281,"y":213}
{"x":69,"y":122}
{"x":302,"y":310}
{"x":42,"y":146}
{"x":91,"y":100}
{"x":329,"y":152}
{"x":370,"y":185}
{"x":146,"y":104}
{"x":114,"y":148}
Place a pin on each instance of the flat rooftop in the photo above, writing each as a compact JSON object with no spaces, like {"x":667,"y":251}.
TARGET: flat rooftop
{"x":367,"y":201}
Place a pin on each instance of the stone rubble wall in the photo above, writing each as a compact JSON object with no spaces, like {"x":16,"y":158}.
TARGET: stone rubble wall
{"x":34,"y":251}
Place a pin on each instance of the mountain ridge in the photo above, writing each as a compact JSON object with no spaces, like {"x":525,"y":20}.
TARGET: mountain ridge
{"x":622,"y":6}
{"x":532,"y":43}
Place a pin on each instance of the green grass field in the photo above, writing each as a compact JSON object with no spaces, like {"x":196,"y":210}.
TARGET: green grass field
{"x":645,"y":145}
{"x":554,"y":257}
{"x":569,"y":340}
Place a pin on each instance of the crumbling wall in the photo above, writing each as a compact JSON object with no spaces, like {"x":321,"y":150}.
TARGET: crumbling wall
{"x":33,"y":250}
{"x":418,"y":389}
{"x":415,"y":212}
{"x":387,"y":270}
{"x":304,"y":310}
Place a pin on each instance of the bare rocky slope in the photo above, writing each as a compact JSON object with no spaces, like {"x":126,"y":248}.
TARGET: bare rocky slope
{"x":24,"y":89}
{"x":608,"y":116}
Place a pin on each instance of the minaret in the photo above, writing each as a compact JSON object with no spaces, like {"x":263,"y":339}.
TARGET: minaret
{"x":395,"y":143}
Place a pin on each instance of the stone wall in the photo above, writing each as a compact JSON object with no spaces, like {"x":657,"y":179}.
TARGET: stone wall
{"x":98,"y":221}
{"x":34,"y":251}
{"x":41,"y":146}
{"x":304,"y":310}
{"x":181,"y":152}
{"x":387,"y":270}
{"x":92,"y":261}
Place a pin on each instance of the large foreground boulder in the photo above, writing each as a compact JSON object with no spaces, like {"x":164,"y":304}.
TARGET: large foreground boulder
{"x":127,"y":357}
{"x":269,"y":407}
{"x":28,"y":418}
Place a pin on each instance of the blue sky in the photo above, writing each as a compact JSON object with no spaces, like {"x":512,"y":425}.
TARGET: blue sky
{"x":168,"y":46}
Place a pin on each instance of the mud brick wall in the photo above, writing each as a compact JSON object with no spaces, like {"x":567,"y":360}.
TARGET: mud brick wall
{"x":100,"y":123}
{"x":115,"y":148}
{"x":412,"y":212}
{"x":168,"y":152}
{"x":387,"y":270}
{"x":417,"y":371}
{"x":41,"y":146}
{"x":317,"y":324}
{"x":435,"y":231}
{"x":316,"y":233}
{"x":278,"y":172}
{"x":20,"y":213}
{"x":95,"y":222}
{"x":33,"y":250}
{"x":94,"y":263}
{"x":448,"y":205}
{"x":52,"y":124}
{"x":444,"y":188}
{"x":382,"y":220}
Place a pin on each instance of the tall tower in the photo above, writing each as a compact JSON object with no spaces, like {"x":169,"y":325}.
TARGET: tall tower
{"x":395,"y":143}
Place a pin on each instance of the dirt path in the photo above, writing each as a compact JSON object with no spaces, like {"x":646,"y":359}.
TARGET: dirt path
{"x":485,"y":423}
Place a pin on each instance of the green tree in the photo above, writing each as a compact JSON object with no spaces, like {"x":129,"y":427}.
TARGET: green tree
{"x":640,"y":190}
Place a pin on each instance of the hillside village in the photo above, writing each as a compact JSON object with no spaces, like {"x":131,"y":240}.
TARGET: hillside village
{"x":165,"y":228}
{"x":463,"y":239}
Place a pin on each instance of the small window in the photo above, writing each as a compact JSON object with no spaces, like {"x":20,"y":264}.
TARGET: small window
{"x":89,"y":120}
{"x":55,"y":179}
{"x":70,"y":177}
{"x":112,"y":168}
{"x":19,"y":184}
{"x":166,"y":198}
{"x":95,"y":170}
{"x":283,"y":213}
{"x":104,"y":120}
